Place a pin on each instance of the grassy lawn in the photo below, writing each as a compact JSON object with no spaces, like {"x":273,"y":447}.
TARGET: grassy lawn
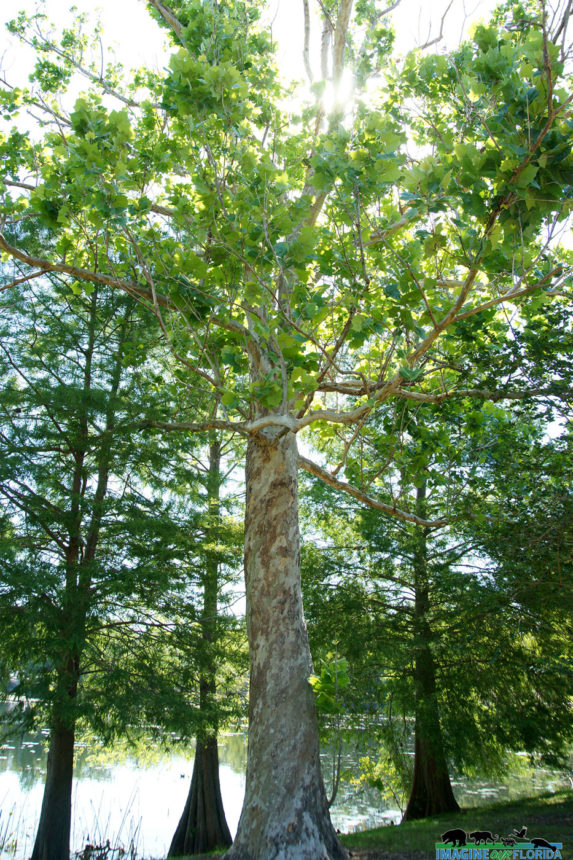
{"x":547,"y":816}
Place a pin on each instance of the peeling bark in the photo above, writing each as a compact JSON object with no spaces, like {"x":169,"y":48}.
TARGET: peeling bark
{"x":285,"y":812}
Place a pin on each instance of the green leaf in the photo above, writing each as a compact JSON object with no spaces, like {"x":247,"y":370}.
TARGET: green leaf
{"x":526,"y":176}
{"x":228,"y":398}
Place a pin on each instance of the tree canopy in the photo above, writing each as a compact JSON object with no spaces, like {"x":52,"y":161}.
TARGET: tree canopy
{"x":309,"y":265}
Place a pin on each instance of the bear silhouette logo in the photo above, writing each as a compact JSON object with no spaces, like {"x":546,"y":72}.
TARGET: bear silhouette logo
{"x":457,"y":837}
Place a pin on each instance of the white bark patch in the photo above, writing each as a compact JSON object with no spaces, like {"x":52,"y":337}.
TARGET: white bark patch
{"x":285,"y":813}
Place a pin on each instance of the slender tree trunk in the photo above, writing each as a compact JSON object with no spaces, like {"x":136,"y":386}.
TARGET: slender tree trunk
{"x":53,"y":834}
{"x":431,"y":792}
{"x":203,"y":826}
{"x":285,"y":812}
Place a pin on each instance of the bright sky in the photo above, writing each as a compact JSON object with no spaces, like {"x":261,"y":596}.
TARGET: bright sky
{"x":129,"y":29}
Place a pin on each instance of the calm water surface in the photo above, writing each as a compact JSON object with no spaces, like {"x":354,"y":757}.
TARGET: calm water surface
{"x":137,"y":801}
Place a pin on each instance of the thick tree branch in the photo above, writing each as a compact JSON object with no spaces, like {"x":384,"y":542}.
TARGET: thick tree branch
{"x":561,"y":27}
{"x":454,"y":313}
{"x":24,"y":185}
{"x":318,"y":472}
{"x":197,"y":427}
{"x":129,"y":287}
{"x":340,"y":33}
{"x":380,"y":235}
{"x":306,"y":48}
{"x":136,"y":290}
{"x":482,"y":394}
{"x":395,"y":388}
{"x":22,"y":280}
{"x":167,"y":212}
{"x":507,"y":297}
{"x":360,"y":389}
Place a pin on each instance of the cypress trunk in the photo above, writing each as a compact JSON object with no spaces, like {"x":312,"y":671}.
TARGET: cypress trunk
{"x":53,"y":834}
{"x":431,"y":792}
{"x":203,"y":826}
{"x":285,"y":812}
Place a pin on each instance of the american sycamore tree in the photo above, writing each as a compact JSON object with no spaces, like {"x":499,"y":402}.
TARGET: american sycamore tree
{"x":307,"y":262}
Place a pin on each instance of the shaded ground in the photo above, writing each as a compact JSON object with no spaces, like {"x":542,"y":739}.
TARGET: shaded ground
{"x":550,"y":817}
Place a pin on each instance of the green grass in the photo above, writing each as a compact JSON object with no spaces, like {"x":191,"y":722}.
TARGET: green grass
{"x":548,"y":816}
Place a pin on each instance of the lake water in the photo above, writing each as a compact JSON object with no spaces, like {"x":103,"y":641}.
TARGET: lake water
{"x":140,"y":801}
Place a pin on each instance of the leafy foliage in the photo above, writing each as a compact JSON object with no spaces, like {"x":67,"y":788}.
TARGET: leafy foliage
{"x":101,"y":557}
{"x":334,"y":273}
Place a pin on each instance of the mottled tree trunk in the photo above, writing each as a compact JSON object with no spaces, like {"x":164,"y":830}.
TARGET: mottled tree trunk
{"x":285,"y":813}
{"x":431,"y":792}
{"x":53,"y":834}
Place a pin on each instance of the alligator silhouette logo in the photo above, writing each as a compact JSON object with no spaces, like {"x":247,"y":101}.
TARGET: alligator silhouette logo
{"x":457,"y":844}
